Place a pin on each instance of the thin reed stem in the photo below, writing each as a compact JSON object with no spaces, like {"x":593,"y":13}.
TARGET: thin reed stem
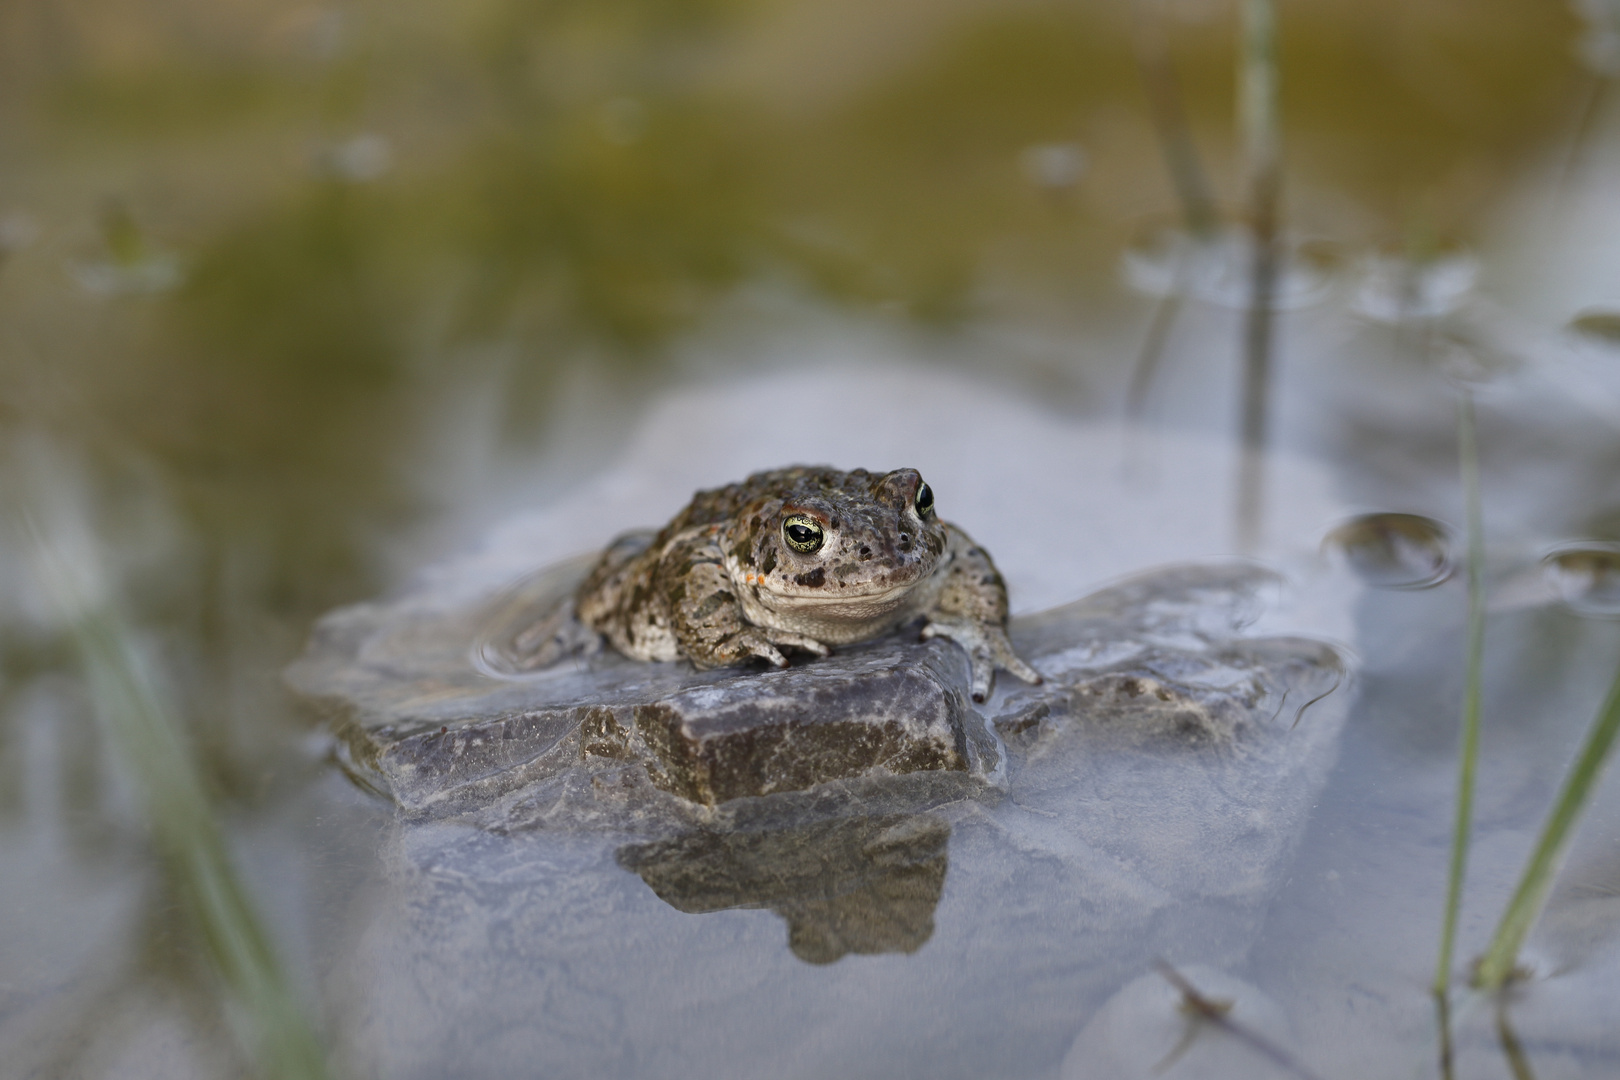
{"x":1165,"y":102}
{"x":1468,"y":753}
{"x":1258,"y":118}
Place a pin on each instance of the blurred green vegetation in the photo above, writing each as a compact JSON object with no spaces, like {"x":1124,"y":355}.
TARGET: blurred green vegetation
{"x":368,"y":201}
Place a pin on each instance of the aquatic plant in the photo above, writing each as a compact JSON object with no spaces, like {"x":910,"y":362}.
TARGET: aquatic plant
{"x":141,"y":726}
{"x":1501,"y":958}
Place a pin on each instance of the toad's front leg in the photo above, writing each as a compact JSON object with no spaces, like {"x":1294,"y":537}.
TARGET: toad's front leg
{"x":705,"y":612}
{"x":972,"y":611}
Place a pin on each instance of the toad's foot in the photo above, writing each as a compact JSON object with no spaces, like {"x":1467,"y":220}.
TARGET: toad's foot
{"x":762,"y":642}
{"x":987,"y":648}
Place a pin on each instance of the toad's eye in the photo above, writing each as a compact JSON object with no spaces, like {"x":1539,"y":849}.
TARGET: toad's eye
{"x":803,"y":534}
{"x":925,"y":501}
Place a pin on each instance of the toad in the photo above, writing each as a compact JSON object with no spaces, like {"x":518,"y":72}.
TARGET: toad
{"x":800,"y":558}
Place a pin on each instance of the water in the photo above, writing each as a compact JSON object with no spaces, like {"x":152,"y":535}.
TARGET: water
{"x":307,"y":306}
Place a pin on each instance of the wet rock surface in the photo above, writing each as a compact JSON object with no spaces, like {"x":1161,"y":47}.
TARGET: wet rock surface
{"x":623,"y":827}
{"x":424,"y":713}
{"x":430,"y":707}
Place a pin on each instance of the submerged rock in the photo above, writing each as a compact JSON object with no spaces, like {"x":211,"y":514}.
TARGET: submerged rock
{"x":1041,"y":851}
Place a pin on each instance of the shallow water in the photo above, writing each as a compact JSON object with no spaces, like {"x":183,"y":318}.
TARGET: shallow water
{"x":308,"y":305}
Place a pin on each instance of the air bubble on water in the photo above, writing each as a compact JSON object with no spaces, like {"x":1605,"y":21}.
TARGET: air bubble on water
{"x":1396,"y":289}
{"x":1394,"y":551}
{"x":1586,"y":576}
{"x":365,"y":157}
{"x":1053,"y":167}
{"x":1598,"y":325}
{"x":1165,"y":260}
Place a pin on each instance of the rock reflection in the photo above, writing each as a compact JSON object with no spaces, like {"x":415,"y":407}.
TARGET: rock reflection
{"x":1586,"y":577}
{"x":1394,"y":551}
{"x":851,"y":885}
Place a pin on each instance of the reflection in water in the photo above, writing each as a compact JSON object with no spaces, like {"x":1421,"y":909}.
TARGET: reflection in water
{"x":850,"y":885}
{"x":1394,"y":551}
{"x":1586,"y":577}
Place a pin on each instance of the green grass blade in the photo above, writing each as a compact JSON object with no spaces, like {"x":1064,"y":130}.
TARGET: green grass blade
{"x":1468,"y":752}
{"x":1503,"y":953}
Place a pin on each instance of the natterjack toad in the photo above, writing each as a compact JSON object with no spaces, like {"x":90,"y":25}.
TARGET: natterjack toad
{"x":800,"y":558}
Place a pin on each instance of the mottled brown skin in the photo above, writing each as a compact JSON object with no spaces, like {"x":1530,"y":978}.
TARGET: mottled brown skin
{"x":802,"y":558}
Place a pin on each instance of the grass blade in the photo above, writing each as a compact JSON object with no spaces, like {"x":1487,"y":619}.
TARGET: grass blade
{"x":147,"y":736}
{"x":1503,"y":954}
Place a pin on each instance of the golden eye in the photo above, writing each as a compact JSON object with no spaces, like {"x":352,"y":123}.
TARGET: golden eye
{"x":803,"y":534}
{"x":925,"y":500}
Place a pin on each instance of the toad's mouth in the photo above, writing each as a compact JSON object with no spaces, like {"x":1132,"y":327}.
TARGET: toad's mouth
{"x":857,"y":603}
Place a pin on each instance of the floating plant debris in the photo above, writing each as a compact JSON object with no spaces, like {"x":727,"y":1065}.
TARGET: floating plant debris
{"x":1394,"y":551}
{"x":1598,"y":325}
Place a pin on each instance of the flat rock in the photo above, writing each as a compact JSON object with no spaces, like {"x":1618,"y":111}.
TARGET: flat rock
{"x":1145,"y":801}
{"x":428,"y":710}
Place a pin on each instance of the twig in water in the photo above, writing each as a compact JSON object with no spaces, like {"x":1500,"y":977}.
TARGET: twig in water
{"x":1442,"y":1020}
{"x":1517,"y":1060}
{"x":1215,"y":1012}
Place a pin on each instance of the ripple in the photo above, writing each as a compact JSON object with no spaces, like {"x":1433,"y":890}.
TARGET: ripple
{"x":1394,"y":551}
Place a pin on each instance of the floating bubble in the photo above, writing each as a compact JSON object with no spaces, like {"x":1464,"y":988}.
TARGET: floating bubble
{"x":1394,"y":551}
{"x":1053,"y":166}
{"x":1598,"y":325}
{"x":1586,"y":577}
{"x":1397,"y":289}
{"x":365,"y":157}
{"x":1166,"y":260}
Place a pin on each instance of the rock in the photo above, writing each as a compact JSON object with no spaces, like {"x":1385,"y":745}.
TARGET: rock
{"x":1145,"y":801}
{"x":429,"y":709}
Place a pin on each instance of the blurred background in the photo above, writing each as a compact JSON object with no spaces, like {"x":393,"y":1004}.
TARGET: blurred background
{"x":294,"y":298}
